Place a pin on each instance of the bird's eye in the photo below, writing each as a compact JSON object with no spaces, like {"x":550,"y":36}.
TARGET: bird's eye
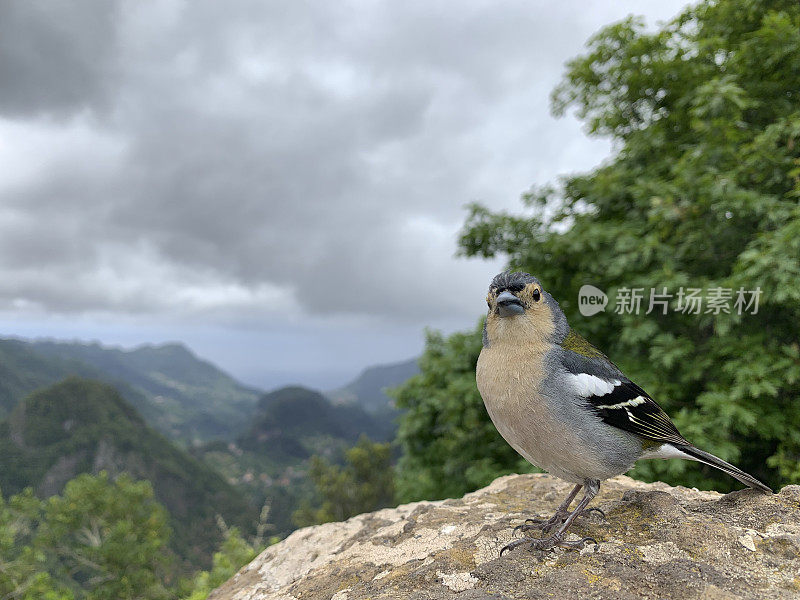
{"x":536,"y":295}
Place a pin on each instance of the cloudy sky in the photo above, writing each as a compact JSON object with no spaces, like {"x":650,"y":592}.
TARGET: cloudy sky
{"x":279,"y":185}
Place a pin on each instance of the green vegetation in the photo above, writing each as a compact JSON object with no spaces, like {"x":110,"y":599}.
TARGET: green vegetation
{"x":23,"y":370}
{"x":84,"y":426}
{"x":702,"y":193}
{"x":234,"y":552}
{"x":272,"y":458}
{"x":58,"y":439}
{"x":100,"y":540}
{"x":296,"y":412}
{"x":113,"y":546}
{"x":185,"y":398}
{"x":364,"y":484}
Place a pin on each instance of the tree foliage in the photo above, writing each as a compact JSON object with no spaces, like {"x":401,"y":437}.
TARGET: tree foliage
{"x":100,"y":540}
{"x":104,"y":539}
{"x":234,"y":552}
{"x":23,"y":568}
{"x":702,"y":192}
{"x":108,"y":537}
{"x":363,"y":484}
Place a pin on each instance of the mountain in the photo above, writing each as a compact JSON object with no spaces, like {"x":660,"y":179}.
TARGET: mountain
{"x":183,"y":396}
{"x":23,"y":369}
{"x":289,"y":425}
{"x":85,"y":426}
{"x":261,"y":443}
{"x":368,"y":390}
{"x":299,"y":414}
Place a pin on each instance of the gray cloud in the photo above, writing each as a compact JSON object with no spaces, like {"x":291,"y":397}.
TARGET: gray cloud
{"x":56,"y":57}
{"x":240,"y":156}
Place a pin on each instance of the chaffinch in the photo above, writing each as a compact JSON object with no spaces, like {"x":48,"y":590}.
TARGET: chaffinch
{"x":565,"y":407}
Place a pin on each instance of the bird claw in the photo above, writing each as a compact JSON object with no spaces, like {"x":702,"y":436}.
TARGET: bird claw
{"x":530,"y":524}
{"x":561,"y":519}
{"x":555,"y":540}
{"x":594,"y":509}
{"x":543,"y":525}
{"x":577,"y":544}
{"x":557,"y":519}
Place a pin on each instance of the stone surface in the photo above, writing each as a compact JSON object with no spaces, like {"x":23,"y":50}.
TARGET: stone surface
{"x":656,"y":541}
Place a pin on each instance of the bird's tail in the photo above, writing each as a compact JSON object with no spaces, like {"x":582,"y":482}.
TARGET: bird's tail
{"x":710,"y":459}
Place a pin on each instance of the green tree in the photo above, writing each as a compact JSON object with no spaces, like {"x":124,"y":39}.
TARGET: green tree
{"x":23,"y":569}
{"x":233,"y":554}
{"x":107,"y":538}
{"x":363,"y":484}
{"x":702,"y":192}
{"x":100,"y":540}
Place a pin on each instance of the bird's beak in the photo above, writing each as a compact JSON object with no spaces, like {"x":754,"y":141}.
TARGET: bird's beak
{"x":509,"y":305}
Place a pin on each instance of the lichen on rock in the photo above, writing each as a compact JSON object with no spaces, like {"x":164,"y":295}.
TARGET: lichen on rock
{"x":655,"y":541}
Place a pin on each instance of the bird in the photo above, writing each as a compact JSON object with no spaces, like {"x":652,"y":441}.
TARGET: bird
{"x":565,"y":407}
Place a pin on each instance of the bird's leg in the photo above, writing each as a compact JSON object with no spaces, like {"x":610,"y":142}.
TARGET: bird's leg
{"x":559,"y":537}
{"x":561,"y":514}
{"x":558,"y":518}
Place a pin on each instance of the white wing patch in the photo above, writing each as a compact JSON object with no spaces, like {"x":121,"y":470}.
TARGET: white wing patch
{"x":628,"y":403}
{"x":667,"y":451}
{"x":591,"y":385}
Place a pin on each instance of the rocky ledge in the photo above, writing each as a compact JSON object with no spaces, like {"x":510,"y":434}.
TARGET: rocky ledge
{"x":655,"y":541}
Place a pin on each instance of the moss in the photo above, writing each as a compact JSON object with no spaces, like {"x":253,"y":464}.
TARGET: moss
{"x":463,"y":556}
{"x":592,"y":578}
{"x":349,"y":582}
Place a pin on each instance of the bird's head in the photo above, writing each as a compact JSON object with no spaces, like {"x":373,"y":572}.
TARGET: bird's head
{"x":521,"y":311}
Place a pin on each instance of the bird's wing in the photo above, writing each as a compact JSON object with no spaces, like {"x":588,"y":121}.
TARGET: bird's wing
{"x":615,"y":398}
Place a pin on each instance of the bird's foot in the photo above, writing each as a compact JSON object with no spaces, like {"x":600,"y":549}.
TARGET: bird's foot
{"x":553,"y":541}
{"x":545,"y":525}
{"x":550,"y":524}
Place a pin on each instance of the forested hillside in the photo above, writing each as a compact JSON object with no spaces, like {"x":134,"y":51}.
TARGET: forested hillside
{"x":186,"y":397}
{"x":84,"y":426}
{"x":270,"y":459}
{"x":23,"y":369}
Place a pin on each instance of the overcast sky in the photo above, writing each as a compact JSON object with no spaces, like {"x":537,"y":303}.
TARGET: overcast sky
{"x":279,"y":185}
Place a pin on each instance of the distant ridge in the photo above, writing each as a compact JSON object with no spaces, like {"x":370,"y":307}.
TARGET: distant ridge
{"x":175,"y":391}
{"x":368,"y":390}
{"x":23,"y":369}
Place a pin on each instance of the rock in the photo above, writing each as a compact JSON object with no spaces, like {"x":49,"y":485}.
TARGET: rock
{"x":655,"y":541}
